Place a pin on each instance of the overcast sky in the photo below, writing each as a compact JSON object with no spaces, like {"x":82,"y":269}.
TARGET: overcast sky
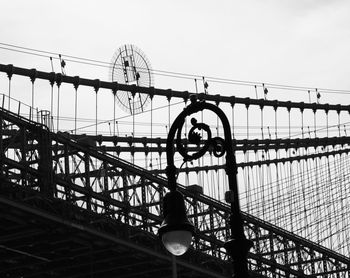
{"x":304,"y":43}
{"x":282,"y":41}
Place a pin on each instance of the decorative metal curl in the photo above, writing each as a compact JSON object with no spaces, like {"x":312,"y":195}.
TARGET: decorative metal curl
{"x":218,"y":145}
{"x":214,"y":145}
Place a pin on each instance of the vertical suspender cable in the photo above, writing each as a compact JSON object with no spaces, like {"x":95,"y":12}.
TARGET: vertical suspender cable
{"x":151,"y":163}
{"x":187,"y":180}
{"x":133,"y":129}
{"x":262,"y":180}
{"x":256,"y":92}
{"x":133,"y":116}
{"x":317,"y":201}
{"x":75,"y":110}
{"x":58,"y":108}
{"x":76,"y":85}
{"x":195,"y":82}
{"x":51,"y":108}
{"x":279,"y":201}
{"x":52,"y":82}
{"x":96,"y":88}
{"x":114,"y":91}
{"x":9,"y":75}
{"x":315,"y":125}
{"x":218,"y":162}
{"x":32,"y":79}
{"x":291,"y":183}
{"x":94,"y":165}
{"x":96,"y":115}
{"x":303,"y":183}
{"x":233,"y":120}
{"x":31,"y":117}
{"x":58,"y":83}
{"x":114,"y":123}
{"x":201,"y":160}
{"x":9,"y":102}
{"x":343,"y":162}
{"x":169,"y":99}
{"x":246,"y":157}
{"x":338,"y":112}
{"x":332,"y":207}
{"x":339,"y":173}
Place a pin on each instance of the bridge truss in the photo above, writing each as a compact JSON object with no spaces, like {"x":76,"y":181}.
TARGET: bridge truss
{"x":75,"y":204}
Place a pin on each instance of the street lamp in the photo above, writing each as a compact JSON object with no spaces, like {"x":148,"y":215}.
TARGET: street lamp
{"x":176,"y":230}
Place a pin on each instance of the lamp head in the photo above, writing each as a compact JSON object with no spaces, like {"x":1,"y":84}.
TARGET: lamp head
{"x":176,"y":230}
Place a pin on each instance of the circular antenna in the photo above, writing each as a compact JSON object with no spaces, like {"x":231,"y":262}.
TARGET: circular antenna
{"x":130,"y":66}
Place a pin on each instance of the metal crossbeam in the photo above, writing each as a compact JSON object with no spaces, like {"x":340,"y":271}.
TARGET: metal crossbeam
{"x":76,"y":81}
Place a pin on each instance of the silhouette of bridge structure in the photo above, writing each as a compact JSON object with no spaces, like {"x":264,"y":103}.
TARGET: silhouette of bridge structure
{"x":80,"y":205}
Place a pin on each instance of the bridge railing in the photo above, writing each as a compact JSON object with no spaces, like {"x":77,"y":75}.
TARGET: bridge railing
{"x":24,"y":110}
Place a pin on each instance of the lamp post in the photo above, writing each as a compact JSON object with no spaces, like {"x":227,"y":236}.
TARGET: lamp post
{"x":176,"y":230}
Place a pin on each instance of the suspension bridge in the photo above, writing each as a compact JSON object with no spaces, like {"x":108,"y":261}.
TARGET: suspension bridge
{"x":82,"y":198}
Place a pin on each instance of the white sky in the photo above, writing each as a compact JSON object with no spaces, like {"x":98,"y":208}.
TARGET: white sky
{"x":304,"y":43}
{"x":281,"y":41}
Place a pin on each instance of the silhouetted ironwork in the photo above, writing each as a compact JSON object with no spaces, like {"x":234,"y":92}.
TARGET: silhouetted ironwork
{"x":103,"y":191}
{"x":70,"y":208}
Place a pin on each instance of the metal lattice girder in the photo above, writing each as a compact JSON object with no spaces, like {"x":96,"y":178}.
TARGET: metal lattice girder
{"x":157,"y":145}
{"x":117,"y":145}
{"x":101,"y":184}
